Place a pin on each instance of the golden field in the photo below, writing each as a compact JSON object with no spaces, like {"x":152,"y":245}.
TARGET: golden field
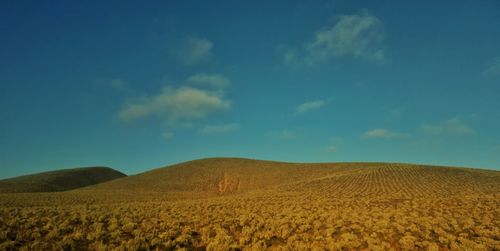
{"x":240,"y":204}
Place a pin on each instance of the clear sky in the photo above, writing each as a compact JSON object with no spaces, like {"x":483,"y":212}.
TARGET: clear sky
{"x":136,"y":85}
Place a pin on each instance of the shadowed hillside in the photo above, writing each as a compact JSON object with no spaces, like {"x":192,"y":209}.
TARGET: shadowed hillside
{"x":60,"y":180}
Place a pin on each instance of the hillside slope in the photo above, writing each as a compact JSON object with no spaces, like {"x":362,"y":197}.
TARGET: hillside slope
{"x":60,"y":180}
{"x":233,"y":175}
{"x":223,"y":175}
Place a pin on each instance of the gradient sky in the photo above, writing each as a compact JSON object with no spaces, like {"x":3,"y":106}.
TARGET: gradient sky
{"x":138,"y":85}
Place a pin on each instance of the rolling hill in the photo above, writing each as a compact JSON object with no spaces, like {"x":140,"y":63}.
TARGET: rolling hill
{"x":60,"y":180}
{"x":235,"y":175}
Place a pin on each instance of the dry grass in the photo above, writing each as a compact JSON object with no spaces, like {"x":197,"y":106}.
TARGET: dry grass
{"x":233,"y":204}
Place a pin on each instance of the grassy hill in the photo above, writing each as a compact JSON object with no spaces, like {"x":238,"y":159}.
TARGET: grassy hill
{"x":235,"y":175}
{"x":60,"y":180}
{"x":224,"y":176}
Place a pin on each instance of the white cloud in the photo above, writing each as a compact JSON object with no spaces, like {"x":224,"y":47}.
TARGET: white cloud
{"x":309,"y":106}
{"x":357,"y":36}
{"x":454,"y":125}
{"x":225,"y":128}
{"x":196,"y":50}
{"x":383,"y":134}
{"x":172,"y":104}
{"x":493,"y":69}
{"x":216,"y":81}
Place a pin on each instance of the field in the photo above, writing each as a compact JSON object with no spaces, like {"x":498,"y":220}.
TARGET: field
{"x":239,"y":204}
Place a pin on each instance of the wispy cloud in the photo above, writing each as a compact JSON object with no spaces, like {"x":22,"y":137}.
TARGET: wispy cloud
{"x":455,"y":125}
{"x":196,"y":50}
{"x":117,"y":84}
{"x":357,"y":36}
{"x":184,"y":103}
{"x":334,"y":144}
{"x":383,"y":133}
{"x":285,"y":134}
{"x":309,"y":106}
{"x":493,"y":68}
{"x":224,"y":128}
{"x":395,"y":113}
{"x":332,"y":148}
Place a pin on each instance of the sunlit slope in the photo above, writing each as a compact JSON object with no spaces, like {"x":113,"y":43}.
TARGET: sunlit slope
{"x":403,"y":181}
{"x":60,"y":180}
{"x":224,"y":175}
{"x":233,"y":175}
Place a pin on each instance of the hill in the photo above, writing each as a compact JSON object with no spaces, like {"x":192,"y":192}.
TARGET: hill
{"x":243,"y":204}
{"x":235,"y":175}
{"x":60,"y":180}
{"x":223,"y":175}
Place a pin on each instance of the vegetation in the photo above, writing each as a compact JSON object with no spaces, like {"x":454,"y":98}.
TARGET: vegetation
{"x":60,"y":180}
{"x":236,"y":204}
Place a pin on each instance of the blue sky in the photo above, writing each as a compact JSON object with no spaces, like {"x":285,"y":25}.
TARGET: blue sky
{"x":136,"y":85}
